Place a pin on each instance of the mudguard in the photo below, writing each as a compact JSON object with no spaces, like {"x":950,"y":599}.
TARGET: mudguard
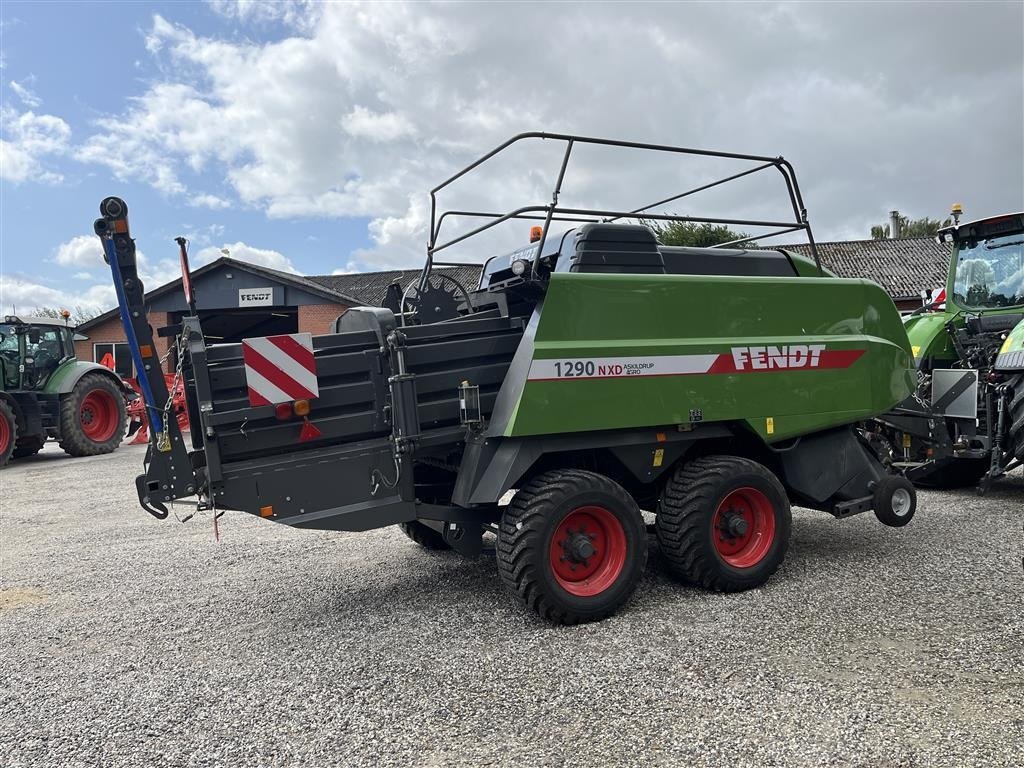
{"x":70,"y":373}
{"x":1011,"y":354}
{"x":929,"y":337}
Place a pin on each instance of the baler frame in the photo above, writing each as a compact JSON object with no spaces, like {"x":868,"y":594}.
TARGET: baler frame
{"x":552,"y":211}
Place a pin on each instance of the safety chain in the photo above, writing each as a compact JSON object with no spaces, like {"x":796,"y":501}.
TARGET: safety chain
{"x":164,"y":438}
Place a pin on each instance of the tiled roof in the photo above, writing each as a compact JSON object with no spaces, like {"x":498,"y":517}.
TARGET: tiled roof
{"x":368,"y":288}
{"x":902,"y":267}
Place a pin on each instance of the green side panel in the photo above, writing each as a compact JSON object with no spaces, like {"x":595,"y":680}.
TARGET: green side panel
{"x":66,"y":373}
{"x":63,"y":379}
{"x":929,"y":338}
{"x":595,"y":322}
{"x":1011,"y":354}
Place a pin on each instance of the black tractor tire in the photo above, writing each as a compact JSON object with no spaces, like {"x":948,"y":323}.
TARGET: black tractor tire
{"x":424,"y":535}
{"x":1016,"y":435}
{"x":959,"y":473}
{"x":895,"y":501}
{"x":8,"y":432}
{"x":29,"y":446}
{"x":92,"y":416}
{"x":572,"y":546}
{"x":723,"y":523}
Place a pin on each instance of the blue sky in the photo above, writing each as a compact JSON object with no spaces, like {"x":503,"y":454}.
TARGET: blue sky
{"x":81,"y":61}
{"x":305,"y":136}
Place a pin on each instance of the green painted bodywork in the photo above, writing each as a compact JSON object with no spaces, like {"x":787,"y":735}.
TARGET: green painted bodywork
{"x":63,"y":380}
{"x":1011,"y":354}
{"x":603,"y":316}
{"x":928,"y":337}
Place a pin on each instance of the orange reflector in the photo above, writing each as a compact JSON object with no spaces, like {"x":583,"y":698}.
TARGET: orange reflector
{"x":661,"y":437}
{"x":301,"y":407}
{"x":145,"y":350}
{"x":121,"y":226}
{"x":266,"y":511}
{"x":536,"y":233}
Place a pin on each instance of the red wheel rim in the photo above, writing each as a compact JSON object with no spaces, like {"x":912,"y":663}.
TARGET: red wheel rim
{"x":98,"y":416}
{"x":588,"y":551}
{"x":5,"y":434}
{"x":743,"y":527}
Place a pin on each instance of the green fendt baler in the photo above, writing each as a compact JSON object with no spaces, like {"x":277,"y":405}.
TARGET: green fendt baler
{"x":593,"y":373}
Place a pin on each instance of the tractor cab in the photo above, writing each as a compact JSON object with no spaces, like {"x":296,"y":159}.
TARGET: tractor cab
{"x":987,"y":266}
{"x":32,"y":349}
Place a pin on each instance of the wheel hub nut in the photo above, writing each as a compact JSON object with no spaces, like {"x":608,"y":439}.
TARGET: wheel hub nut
{"x":579,"y":548}
{"x":734,"y":525}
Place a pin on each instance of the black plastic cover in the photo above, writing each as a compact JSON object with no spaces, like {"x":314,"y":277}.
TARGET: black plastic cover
{"x":726,"y":261}
{"x":616,"y":249}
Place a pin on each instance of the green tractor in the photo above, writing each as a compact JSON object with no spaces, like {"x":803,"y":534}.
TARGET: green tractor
{"x":47,"y":392}
{"x":964,"y":424}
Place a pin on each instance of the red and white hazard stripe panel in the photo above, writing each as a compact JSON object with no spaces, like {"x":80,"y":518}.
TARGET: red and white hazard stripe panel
{"x":279,"y":369}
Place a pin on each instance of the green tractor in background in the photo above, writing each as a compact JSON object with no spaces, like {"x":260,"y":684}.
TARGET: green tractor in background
{"x":964,"y":425}
{"x":46,"y":392}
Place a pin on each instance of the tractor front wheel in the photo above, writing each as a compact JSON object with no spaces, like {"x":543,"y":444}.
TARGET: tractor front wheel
{"x":572,"y":546}
{"x":92,"y":416}
{"x":1016,"y":436}
{"x":723,"y":523}
{"x":8,"y":432}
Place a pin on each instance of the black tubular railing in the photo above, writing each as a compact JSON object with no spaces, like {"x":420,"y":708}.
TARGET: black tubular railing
{"x":554,"y":212}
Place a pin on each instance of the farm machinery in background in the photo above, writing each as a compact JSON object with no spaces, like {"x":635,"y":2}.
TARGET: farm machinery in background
{"x":138,"y":421}
{"x":593,"y":372}
{"x":964,"y":423}
{"x":46,"y":392}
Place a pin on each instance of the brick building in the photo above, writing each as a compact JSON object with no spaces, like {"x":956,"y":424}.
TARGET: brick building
{"x":903,"y":267}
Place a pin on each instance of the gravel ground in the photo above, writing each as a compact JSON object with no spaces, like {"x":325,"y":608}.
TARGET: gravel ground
{"x":132,"y":642}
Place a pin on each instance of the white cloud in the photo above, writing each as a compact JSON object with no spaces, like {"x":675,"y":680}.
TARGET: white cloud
{"x":243,"y":252}
{"x":25,"y":294}
{"x":87,"y":251}
{"x":377,"y":127}
{"x":296,"y":13}
{"x":30,"y":141}
{"x":212,"y":202}
{"x":80,"y":251}
{"x":25,"y":94}
{"x":357,"y":110}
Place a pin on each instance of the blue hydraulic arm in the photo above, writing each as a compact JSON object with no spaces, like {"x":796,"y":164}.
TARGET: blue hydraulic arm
{"x":169,"y":474}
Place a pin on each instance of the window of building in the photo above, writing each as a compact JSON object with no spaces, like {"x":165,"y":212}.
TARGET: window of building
{"x":118,"y":354}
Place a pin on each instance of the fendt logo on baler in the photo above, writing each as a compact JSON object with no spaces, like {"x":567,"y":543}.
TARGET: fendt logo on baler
{"x":784,"y":357}
{"x":752,"y":359}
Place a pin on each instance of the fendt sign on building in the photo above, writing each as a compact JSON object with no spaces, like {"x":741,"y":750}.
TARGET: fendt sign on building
{"x":255,"y":297}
